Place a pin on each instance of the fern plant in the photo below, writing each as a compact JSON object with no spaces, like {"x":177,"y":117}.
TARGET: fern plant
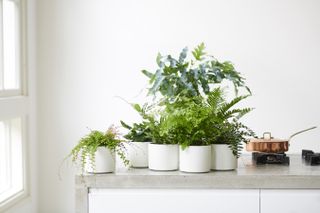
{"x":232,"y":133}
{"x":227,"y":127}
{"x":84,"y":151}
{"x":205,"y":120}
{"x":194,"y":77}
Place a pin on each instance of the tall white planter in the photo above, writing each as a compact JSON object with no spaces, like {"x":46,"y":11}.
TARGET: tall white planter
{"x":105,"y":161}
{"x":163,"y":157}
{"x":138,"y":154}
{"x":195,"y":159}
{"x":222,"y":158}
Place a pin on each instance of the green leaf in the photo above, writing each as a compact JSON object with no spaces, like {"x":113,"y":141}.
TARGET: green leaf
{"x":183,"y":55}
{"x":147,"y":73}
{"x":198,"y":52}
{"x":125,"y":125}
{"x":158,"y":60}
{"x":157,"y":82}
{"x":137,"y":107}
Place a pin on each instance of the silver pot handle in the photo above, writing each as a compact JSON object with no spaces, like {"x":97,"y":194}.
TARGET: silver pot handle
{"x":297,"y":133}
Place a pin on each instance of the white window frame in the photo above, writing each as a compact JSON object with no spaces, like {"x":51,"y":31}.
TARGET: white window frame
{"x":21,"y":62}
{"x":14,"y":103}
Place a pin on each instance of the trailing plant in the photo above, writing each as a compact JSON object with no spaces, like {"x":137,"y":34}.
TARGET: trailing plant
{"x":85,"y":150}
{"x":194,"y":77}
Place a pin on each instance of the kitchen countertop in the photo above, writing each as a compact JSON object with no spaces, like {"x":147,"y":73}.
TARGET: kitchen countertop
{"x":248,"y":176}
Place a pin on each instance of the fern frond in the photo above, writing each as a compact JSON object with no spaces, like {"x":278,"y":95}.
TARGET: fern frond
{"x":198,"y":52}
{"x":227,"y":106}
{"x":243,"y":112}
{"x":215,"y":99}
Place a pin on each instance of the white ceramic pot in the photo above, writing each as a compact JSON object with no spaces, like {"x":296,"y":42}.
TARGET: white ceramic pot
{"x":195,"y":159}
{"x":222,"y":158}
{"x":163,"y":157}
{"x":138,"y":154}
{"x":105,"y":161}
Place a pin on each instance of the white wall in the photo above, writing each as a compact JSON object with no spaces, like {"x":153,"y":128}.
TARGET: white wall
{"x":91,"y":51}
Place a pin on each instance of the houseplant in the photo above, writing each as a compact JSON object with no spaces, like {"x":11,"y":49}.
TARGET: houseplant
{"x":185,"y":122}
{"x":140,"y":136}
{"x":227,"y":144}
{"x":229,"y":132}
{"x":197,"y":122}
{"x":192,"y":105}
{"x":96,"y":151}
{"x":191,"y":77}
{"x":163,"y":153}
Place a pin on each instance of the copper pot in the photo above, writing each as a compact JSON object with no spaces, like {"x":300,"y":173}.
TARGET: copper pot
{"x":269,"y":144}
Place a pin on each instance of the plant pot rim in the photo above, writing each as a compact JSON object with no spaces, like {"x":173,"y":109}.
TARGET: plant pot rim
{"x":161,"y":144}
{"x":197,"y":146}
{"x":220,"y":144}
{"x":140,"y":142}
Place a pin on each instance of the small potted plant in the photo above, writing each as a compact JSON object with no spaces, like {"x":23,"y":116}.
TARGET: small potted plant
{"x":185,"y":123}
{"x":140,"y":136}
{"x":228,"y":133}
{"x":163,"y":152}
{"x":96,"y":151}
{"x":227,"y":145}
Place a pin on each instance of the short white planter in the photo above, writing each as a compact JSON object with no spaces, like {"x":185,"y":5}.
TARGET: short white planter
{"x":138,"y":154}
{"x":195,"y":159}
{"x":163,"y":157}
{"x":222,"y":158}
{"x":104,"y":161}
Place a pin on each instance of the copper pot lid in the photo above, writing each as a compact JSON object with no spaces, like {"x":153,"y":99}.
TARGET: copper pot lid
{"x":268,"y":138}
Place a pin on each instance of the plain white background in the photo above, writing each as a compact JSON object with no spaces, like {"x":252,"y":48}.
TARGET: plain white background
{"x":89,"y":52}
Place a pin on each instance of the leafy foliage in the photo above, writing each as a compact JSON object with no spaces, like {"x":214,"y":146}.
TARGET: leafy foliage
{"x":203,"y":121}
{"x":175,"y":78}
{"x":88,"y":145}
{"x":138,"y":132}
{"x":232,"y":133}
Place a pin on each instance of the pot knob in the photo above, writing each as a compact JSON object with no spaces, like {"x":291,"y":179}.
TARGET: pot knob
{"x":267,"y":135}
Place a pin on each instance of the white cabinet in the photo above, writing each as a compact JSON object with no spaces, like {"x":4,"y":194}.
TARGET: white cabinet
{"x":173,"y":200}
{"x":290,"y":201}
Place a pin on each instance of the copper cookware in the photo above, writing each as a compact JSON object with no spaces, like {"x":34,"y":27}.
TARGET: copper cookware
{"x":269,"y":144}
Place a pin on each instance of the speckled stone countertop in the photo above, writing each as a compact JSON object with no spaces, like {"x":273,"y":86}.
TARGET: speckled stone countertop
{"x":248,"y":176}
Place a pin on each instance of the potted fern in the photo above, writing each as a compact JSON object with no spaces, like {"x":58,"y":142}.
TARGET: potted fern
{"x":162,"y":154}
{"x":229,"y":132}
{"x":140,"y":136}
{"x":163,"y":151}
{"x":96,"y":151}
{"x":227,"y":144}
{"x":185,"y":122}
{"x":196,"y":123}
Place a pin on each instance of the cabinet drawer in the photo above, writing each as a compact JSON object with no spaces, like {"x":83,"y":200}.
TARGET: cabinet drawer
{"x":173,"y":200}
{"x":290,"y":201}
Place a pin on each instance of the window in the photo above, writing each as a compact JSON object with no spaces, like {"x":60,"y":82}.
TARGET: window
{"x":10,"y":70}
{"x":11,"y":164}
{"x":13,"y":103}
